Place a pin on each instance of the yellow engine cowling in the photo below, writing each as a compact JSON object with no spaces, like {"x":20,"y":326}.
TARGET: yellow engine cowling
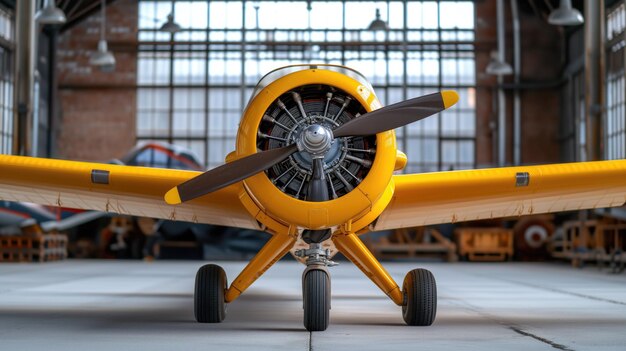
{"x":359,"y":207}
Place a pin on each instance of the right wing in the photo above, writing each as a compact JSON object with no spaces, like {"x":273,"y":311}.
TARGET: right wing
{"x":127,"y":190}
{"x":456,"y":196}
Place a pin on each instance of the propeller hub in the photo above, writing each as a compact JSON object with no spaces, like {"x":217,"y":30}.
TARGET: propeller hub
{"x":316,"y":140}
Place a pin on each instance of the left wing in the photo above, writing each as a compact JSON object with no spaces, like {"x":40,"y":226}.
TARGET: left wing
{"x":448,"y":197}
{"x":112,"y":188}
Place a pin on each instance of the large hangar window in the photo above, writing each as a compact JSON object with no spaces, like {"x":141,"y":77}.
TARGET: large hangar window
{"x":6,"y":81}
{"x":194,"y":84}
{"x":615,"y":124}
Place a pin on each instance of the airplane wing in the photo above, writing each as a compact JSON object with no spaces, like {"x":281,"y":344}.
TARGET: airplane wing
{"x":113,"y":188}
{"x":448,"y":197}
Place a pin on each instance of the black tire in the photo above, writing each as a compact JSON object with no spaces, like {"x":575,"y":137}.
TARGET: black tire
{"x":420,"y":294}
{"x":211,"y":284}
{"x":316,"y":296}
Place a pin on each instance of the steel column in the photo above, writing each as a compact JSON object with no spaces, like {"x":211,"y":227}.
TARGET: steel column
{"x":25,"y":66}
{"x":517,"y":68}
{"x":501,"y":95}
{"x":594,"y":77}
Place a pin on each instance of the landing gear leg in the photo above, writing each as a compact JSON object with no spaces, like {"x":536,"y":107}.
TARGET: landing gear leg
{"x":418,"y":297}
{"x":316,"y":287}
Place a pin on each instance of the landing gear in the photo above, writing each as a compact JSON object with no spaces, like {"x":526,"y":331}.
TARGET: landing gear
{"x":316,"y":287}
{"x":420,"y":298}
{"x":211,"y":284}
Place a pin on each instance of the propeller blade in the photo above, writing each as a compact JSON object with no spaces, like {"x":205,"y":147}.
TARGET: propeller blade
{"x":318,"y":191}
{"x":397,"y":115}
{"x":227,"y":174}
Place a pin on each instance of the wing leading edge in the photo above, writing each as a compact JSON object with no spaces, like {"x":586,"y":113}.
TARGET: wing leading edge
{"x":448,"y":197}
{"x":113,"y":188}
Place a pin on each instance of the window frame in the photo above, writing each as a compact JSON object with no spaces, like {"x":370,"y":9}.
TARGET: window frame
{"x":250,"y":52}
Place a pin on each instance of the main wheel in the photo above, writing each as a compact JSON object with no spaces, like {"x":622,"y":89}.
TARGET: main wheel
{"x":420,"y":295}
{"x":316,"y":296}
{"x":211,"y":284}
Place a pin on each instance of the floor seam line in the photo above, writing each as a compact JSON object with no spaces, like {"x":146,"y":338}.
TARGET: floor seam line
{"x":539,"y":338}
{"x":509,"y":325}
{"x":585,"y":296}
{"x":555,"y":290}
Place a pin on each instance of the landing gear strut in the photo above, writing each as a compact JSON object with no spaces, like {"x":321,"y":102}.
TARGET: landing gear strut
{"x":418,"y":297}
{"x":316,"y":287}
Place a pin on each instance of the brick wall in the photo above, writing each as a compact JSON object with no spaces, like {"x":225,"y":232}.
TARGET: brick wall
{"x":541,"y":62}
{"x":97,"y":112}
{"x":485,"y":114}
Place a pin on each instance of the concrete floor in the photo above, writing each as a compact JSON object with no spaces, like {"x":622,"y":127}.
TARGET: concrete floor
{"x":106,"y":305}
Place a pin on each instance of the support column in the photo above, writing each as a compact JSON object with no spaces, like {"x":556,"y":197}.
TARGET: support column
{"x":501,"y":95}
{"x":594,"y":78}
{"x":271,"y":252}
{"x":353,"y":248}
{"x":517,"y":103}
{"x":25,"y":66}
{"x":53,"y":93}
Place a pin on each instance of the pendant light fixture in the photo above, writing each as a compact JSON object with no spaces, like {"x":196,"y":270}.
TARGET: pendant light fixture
{"x":170,"y":26}
{"x":103,"y":58}
{"x":378,"y":24}
{"x":50,"y":14}
{"x":497,"y":65}
{"x":566,"y":15}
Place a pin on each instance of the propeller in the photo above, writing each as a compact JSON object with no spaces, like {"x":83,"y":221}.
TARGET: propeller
{"x":227,"y":174}
{"x":316,"y":142}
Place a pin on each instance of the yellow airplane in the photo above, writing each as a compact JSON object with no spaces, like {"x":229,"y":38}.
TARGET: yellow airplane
{"x":314,"y":160}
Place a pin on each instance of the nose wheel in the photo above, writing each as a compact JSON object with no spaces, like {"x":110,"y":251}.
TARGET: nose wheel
{"x":420,"y":298}
{"x":211,"y":284}
{"x":316,"y":287}
{"x":316,"y":298}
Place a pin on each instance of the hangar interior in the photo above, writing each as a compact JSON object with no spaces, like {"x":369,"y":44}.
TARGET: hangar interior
{"x":562,"y":99}
{"x":164,"y":83}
